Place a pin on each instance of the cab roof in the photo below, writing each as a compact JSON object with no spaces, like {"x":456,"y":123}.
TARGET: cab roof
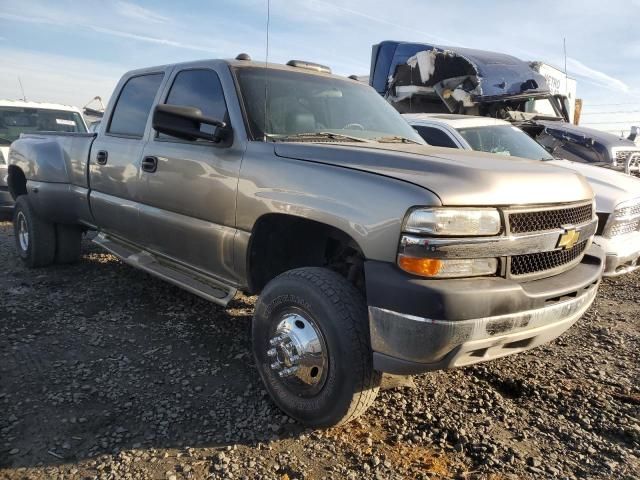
{"x":235,"y":63}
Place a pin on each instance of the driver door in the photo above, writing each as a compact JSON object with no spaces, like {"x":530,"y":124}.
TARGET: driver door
{"x":188,"y":191}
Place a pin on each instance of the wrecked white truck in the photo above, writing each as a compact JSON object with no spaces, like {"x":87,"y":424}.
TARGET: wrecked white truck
{"x":422,"y":78}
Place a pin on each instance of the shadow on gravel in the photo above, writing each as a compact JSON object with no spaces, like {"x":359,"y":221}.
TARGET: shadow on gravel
{"x":98,"y":358}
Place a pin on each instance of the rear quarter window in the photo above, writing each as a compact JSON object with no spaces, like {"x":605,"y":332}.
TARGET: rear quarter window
{"x":435,"y":136}
{"x":133,"y":106}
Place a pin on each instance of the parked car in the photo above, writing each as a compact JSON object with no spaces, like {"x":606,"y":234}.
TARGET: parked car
{"x":617,"y":194}
{"x":371,"y":252}
{"x":17,"y":117}
{"x":423,"y":78}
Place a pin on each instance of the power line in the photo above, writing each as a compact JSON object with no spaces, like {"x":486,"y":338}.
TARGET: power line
{"x":611,"y":113}
{"x":611,"y":104}
{"x":611,"y":123}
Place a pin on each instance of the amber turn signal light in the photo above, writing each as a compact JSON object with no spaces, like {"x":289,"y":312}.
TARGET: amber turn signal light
{"x":426,"y":267}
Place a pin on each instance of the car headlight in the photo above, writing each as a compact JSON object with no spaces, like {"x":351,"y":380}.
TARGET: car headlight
{"x":453,"y":221}
{"x":449,"y":222}
{"x":624,"y":219}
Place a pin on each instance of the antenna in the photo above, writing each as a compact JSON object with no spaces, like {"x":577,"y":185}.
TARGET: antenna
{"x":564,"y":45}
{"x":24,"y":98}
{"x":266,"y":69}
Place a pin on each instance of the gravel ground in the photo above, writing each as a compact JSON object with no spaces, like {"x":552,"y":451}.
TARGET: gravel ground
{"x":106,"y":372}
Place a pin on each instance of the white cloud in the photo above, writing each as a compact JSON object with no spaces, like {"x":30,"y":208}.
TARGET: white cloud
{"x":148,"y":39}
{"x":197,"y":44}
{"x":575,"y":67}
{"x":137,"y":12}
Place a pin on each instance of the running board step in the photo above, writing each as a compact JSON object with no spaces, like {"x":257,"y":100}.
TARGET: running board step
{"x":201,"y":285}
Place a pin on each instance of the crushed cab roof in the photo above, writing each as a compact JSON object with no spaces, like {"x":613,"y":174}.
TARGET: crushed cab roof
{"x":484,"y":75}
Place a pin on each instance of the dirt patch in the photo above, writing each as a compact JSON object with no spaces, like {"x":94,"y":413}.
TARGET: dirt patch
{"x":108,"y":373}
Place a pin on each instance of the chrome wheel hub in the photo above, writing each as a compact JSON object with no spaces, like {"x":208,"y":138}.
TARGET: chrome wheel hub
{"x":23,"y":232}
{"x":298,"y":353}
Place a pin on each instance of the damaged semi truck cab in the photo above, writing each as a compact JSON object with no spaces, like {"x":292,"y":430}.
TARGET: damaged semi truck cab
{"x":370,"y":251}
{"x":424,"y":78}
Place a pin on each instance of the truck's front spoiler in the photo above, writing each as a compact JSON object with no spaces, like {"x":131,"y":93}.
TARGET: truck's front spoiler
{"x":405,"y":344}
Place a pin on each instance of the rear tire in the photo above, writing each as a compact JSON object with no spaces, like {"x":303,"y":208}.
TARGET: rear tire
{"x":68,"y":243}
{"x":299,"y":314}
{"x":35,"y":238}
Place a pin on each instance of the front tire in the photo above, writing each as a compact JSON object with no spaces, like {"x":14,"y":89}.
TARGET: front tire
{"x":312,"y":347}
{"x":35,"y":238}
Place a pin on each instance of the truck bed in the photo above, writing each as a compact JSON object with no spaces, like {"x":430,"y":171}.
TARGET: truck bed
{"x":56,"y":165}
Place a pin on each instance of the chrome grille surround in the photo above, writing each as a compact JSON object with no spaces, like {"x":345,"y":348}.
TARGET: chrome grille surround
{"x":624,"y":219}
{"x":628,"y":158}
{"x":552,"y":218}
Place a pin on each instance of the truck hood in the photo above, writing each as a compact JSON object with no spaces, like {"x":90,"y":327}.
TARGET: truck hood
{"x":583,"y":135}
{"x":458,"y":177}
{"x":609,"y":186}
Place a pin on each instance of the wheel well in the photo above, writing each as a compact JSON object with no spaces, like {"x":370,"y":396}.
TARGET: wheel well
{"x":17,"y":182}
{"x":282,"y":242}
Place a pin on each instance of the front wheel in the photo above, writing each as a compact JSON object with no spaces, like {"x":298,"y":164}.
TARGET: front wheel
{"x":312,"y":347}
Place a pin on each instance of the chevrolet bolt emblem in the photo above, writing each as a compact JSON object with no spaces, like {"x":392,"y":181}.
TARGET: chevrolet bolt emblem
{"x":568,"y":239}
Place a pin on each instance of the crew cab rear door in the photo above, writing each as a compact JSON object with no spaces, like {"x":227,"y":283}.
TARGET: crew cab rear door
{"x":188,"y":190}
{"x":116,"y":154}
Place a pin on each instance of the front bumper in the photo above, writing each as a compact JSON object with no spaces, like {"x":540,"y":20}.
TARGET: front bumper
{"x":417,"y":325}
{"x":623,"y":253}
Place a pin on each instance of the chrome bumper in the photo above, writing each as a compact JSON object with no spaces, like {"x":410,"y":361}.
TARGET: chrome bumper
{"x":622,"y":253}
{"x":406,"y":344}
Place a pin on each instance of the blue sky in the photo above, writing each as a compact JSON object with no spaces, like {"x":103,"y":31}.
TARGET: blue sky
{"x":68,"y":51}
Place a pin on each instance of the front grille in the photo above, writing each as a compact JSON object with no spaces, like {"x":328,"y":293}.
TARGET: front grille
{"x":622,"y":228}
{"x":539,"y":221}
{"x":623,"y":155}
{"x":540,"y":262}
{"x":628,"y":211}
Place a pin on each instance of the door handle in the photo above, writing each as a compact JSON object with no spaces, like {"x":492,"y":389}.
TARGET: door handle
{"x":150,"y":164}
{"x":101,"y":157}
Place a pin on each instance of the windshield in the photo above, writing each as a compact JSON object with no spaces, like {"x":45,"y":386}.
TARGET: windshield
{"x":17,"y":120}
{"x":504,"y":140}
{"x":300,"y":103}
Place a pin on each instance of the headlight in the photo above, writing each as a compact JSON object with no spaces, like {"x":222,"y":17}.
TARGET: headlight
{"x":453,"y":221}
{"x":437,"y":268}
{"x":624,"y":219}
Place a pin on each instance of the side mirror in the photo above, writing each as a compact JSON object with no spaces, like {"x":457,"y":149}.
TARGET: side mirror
{"x":185,"y":123}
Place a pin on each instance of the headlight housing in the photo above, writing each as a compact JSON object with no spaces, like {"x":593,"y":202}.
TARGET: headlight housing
{"x":450,"y":222}
{"x":451,"y":268}
{"x":454,"y":222}
{"x":624,"y":219}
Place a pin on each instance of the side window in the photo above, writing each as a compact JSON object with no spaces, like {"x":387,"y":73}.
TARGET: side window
{"x":435,"y":136}
{"x":134,"y":104}
{"x":201,"y":89}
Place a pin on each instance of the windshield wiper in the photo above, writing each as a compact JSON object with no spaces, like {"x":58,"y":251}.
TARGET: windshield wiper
{"x":314,"y":136}
{"x":396,"y":139}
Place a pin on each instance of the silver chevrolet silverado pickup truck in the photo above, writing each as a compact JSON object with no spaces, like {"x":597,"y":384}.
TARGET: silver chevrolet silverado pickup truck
{"x":371,"y":251}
